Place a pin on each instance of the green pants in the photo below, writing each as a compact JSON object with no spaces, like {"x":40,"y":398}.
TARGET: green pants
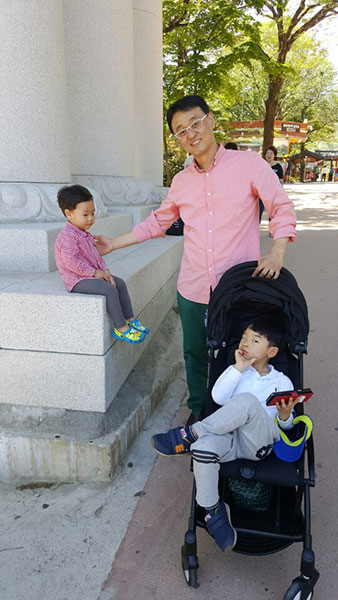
{"x":195,"y":351}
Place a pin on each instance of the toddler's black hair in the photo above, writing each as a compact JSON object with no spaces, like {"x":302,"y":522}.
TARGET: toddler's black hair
{"x":72,"y":195}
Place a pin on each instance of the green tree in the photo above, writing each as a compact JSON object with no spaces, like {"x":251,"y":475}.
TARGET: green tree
{"x":290,"y":27}
{"x":202,"y":40}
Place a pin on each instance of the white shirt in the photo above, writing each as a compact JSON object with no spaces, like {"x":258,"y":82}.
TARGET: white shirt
{"x":233,"y":382}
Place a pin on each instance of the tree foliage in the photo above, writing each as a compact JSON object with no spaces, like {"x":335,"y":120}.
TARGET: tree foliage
{"x":246,"y":68}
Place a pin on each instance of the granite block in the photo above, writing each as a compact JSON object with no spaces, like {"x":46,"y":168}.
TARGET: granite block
{"x":85,"y":382}
{"x":38,"y":314}
{"x":30,"y":246}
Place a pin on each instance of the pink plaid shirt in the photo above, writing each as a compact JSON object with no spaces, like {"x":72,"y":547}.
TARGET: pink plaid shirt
{"x":220,"y":210}
{"x":76,"y":255}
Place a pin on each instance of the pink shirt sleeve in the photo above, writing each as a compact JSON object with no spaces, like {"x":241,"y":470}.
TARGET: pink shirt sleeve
{"x":159,"y":220}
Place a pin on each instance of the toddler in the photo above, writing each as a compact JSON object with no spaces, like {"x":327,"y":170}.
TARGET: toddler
{"x":84,"y":271}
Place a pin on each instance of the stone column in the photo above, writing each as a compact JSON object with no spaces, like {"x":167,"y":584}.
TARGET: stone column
{"x":100,"y":70}
{"x":148,"y":89}
{"x":33,"y":116}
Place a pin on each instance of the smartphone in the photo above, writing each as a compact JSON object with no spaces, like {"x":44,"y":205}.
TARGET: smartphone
{"x":275,"y":397}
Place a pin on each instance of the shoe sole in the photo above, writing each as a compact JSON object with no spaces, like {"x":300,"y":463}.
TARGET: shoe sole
{"x":227,"y":508}
{"x":168,"y":455}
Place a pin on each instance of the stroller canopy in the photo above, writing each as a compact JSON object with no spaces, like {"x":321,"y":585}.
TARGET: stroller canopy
{"x":237,"y":288}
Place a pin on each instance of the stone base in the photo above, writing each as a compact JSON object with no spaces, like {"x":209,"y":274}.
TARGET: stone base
{"x":52,"y":445}
{"x":61,"y":343}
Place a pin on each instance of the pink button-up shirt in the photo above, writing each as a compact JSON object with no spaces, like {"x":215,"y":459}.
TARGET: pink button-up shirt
{"x":76,"y":256}
{"x":220,"y":211}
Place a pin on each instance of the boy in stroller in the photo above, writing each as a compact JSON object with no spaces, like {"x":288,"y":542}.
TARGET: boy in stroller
{"x":244,"y":427}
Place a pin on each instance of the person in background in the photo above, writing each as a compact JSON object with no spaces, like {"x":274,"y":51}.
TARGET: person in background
{"x":270,"y":156}
{"x":324,"y":173}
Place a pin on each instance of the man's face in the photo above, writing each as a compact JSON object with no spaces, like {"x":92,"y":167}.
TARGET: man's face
{"x":196,"y":141}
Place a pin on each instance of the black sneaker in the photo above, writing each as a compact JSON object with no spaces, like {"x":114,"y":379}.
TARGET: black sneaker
{"x":173,"y":443}
{"x":218,"y":523}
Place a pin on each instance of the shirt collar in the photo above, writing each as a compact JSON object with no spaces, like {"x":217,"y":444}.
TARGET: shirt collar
{"x":72,"y":227}
{"x":267,"y":376}
{"x":220,"y":152}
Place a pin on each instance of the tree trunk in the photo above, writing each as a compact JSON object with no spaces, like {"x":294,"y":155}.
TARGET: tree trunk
{"x":271,"y":110}
{"x":166,"y":160}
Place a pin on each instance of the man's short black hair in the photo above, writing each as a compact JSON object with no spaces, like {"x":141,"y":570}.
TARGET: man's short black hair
{"x":270,"y":327}
{"x":72,"y":195}
{"x":186,"y":103}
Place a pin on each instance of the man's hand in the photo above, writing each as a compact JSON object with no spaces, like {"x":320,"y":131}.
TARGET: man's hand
{"x":270,"y":264}
{"x":242,"y":363}
{"x":284,"y":409}
{"x":104,"y":244}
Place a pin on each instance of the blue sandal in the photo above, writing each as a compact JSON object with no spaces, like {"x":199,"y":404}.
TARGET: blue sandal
{"x":138,"y":326}
{"x":131,"y":336}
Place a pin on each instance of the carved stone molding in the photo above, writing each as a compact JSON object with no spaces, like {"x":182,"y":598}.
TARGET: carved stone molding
{"x":36,"y":202}
{"x":123,"y":191}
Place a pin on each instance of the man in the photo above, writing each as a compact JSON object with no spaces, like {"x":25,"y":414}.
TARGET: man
{"x":217,"y":198}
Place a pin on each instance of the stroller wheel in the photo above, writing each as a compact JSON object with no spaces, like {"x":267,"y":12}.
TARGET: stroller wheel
{"x":190,"y":566}
{"x":297,"y":591}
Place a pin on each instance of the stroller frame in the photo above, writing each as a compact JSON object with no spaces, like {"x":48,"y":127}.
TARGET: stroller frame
{"x":291,"y":488}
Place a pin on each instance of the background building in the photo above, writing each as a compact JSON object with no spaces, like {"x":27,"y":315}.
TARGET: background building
{"x":249,"y":135}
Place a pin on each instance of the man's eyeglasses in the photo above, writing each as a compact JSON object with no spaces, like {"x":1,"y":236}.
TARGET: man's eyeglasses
{"x":195,"y":125}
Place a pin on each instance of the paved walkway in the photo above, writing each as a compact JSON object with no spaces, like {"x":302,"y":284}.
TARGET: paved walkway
{"x":122,"y":541}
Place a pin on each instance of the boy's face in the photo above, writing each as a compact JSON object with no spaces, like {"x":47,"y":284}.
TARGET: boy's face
{"x":255,"y":345}
{"x":195,"y":141}
{"x":83,"y":215}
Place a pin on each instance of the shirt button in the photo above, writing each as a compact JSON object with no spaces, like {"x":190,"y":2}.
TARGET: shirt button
{"x":209,"y":268}
{"x":207,"y":174}
{"x":208,"y":193}
{"x":209,"y":250}
{"x":210,"y":213}
{"x":210,"y":231}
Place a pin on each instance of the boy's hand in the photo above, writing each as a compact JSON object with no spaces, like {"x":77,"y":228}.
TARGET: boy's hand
{"x":242,"y":363}
{"x":106,"y":275}
{"x":285,"y":408}
{"x":104,"y":244}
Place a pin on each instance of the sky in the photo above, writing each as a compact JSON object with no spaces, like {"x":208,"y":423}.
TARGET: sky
{"x":326,"y":32}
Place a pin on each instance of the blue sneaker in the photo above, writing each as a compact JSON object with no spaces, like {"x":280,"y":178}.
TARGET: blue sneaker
{"x":218,"y":523}
{"x":173,"y":443}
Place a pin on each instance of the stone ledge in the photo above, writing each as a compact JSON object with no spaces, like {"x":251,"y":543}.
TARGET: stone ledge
{"x":38,"y":314}
{"x":84,"y":382}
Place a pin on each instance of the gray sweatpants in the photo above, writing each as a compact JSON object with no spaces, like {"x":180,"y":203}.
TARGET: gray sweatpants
{"x":119,"y":306}
{"x":239,"y":429}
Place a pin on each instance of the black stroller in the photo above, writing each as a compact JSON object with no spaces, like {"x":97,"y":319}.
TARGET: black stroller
{"x":281,"y":515}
